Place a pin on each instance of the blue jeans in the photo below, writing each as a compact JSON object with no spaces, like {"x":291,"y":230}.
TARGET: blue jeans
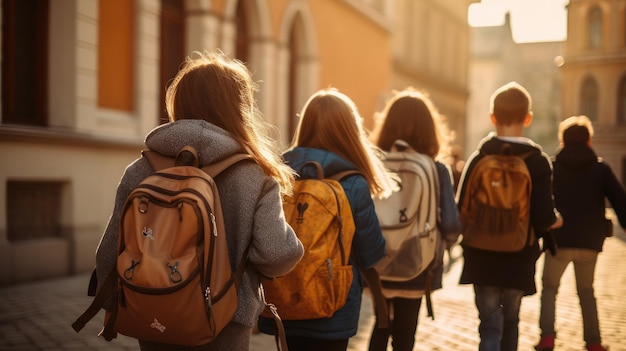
{"x":498,"y":310}
{"x":584,"y":269}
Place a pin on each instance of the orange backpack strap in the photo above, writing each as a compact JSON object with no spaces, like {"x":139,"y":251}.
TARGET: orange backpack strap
{"x":158,"y":161}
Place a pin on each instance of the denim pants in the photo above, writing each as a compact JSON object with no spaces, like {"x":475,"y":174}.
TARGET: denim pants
{"x":584,"y":269}
{"x":498,"y":310}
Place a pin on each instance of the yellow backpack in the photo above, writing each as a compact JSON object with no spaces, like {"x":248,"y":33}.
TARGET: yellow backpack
{"x":320,"y":214}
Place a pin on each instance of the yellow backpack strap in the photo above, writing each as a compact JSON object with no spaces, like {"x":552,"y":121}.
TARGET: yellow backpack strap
{"x":339,"y":176}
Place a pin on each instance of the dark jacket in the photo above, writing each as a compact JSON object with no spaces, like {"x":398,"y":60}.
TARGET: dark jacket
{"x":368,"y":246}
{"x":512,"y":270}
{"x":449,"y":228}
{"x":582,"y":182}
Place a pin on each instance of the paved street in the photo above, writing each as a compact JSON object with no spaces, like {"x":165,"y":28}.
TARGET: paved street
{"x":37,"y":315}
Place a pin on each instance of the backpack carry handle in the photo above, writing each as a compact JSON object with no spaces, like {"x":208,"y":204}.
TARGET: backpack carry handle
{"x":318,"y":168}
{"x":158,"y":161}
{"x":187,"y":156}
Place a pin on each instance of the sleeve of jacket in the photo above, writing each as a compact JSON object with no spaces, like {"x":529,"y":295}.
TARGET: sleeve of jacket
{"x":275,"y":249}
{"x":449,"y":224}
{"x":615,"y":193}
{"x":471,"y":162}
{"x":542,"y":210}
{"x":106,"y":253}
{"x":368,"y":245}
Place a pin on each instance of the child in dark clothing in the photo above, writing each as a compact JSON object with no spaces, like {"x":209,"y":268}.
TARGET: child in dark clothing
{"x":501,"y":279}
{"x":582,"y":182}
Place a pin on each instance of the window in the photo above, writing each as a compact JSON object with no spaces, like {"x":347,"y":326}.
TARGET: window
{"x":116,"y":41}
{"x":296,"y":52}
{"x":624,"y":172}
{"x":172,"y":46}
{"x":242,"y":40}
{"x":594,"y":28}
{"x":33,"y":210}
{"x":25,"y":62}
{"x":621,"y":102}
{"x":589,"y":98}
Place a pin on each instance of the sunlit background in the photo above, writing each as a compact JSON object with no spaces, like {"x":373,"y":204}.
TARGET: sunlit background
{"x":83,"y":81}
{"x":531,"y":20}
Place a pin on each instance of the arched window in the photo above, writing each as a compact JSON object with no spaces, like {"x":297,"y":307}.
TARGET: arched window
{"x":594,"y":28}
{"x":172,"y":46}
{"x":589,"y":98}
{"x":25,"y":62}
{"x":621,"y":101}
{"x":242,"y":40}
{"x":295,"y":56}
{"x":116,"y":55}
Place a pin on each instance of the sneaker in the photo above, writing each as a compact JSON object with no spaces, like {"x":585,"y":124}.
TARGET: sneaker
{"x":547,"y":344}
{"x":597,"y":347}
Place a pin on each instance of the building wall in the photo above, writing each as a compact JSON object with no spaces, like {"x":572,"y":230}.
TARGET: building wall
{"x":495,"y":59}
{"x":430,"y":50}
{"x":607,"y":65}
{"x":85,"y":144}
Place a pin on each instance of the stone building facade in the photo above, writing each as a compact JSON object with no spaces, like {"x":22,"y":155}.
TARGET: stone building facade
{"x":83,"y":81}
{"x":594,"y":74}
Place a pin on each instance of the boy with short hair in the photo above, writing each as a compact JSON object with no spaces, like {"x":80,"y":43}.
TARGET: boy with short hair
{"x":501,"y":279}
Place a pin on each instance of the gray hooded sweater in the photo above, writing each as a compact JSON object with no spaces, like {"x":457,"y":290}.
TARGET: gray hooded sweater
{"x":251,"y":204}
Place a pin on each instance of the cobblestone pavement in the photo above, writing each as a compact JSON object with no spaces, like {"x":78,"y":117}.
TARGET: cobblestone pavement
{"x":37,"y":315}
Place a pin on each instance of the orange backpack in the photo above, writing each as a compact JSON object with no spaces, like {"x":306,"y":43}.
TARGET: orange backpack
{"x":320,"y":214}
{"x":495,"y":212}
{"x":173,"y":282}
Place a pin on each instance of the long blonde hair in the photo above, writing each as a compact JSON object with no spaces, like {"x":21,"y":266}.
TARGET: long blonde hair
{"x":218,"y":89}
{"x":330,"y":121}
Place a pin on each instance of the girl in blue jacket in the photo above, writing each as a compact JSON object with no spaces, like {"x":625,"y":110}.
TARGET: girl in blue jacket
{"x":330,"y":132}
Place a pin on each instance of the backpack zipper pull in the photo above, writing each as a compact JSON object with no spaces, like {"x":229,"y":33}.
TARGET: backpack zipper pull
{"x":504,"y":182}
{"x":207,"y":298}
{"x":329,"y":263}
{"x":213,"y":223}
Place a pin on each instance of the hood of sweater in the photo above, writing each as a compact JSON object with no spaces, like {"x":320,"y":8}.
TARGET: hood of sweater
{"x":212,"y":143}
{"x":492,"y":144}
{"x":576,"y":156}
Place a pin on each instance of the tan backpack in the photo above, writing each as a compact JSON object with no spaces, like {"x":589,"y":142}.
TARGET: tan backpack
{"x":173,"y":282}
{"x":495,"y":212}
{"x":409,"y":216}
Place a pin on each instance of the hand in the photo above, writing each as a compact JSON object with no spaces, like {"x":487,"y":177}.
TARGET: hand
{"x":549,"y":243}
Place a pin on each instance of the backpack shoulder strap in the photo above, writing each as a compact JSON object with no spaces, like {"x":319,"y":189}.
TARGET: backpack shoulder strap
{"x":158,"y":161}
{"x":216,"y":168}
{"x":339,"y":176}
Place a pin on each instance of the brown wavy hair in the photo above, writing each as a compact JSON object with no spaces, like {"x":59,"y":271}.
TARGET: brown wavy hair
{"x":218,"y":89}
{"x":411,"y":116}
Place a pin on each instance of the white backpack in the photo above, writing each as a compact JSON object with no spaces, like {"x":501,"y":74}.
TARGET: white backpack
{"x":408,"y":217}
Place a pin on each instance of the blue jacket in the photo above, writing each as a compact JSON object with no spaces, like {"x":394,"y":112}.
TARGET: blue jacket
{"x":368,"y":247}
